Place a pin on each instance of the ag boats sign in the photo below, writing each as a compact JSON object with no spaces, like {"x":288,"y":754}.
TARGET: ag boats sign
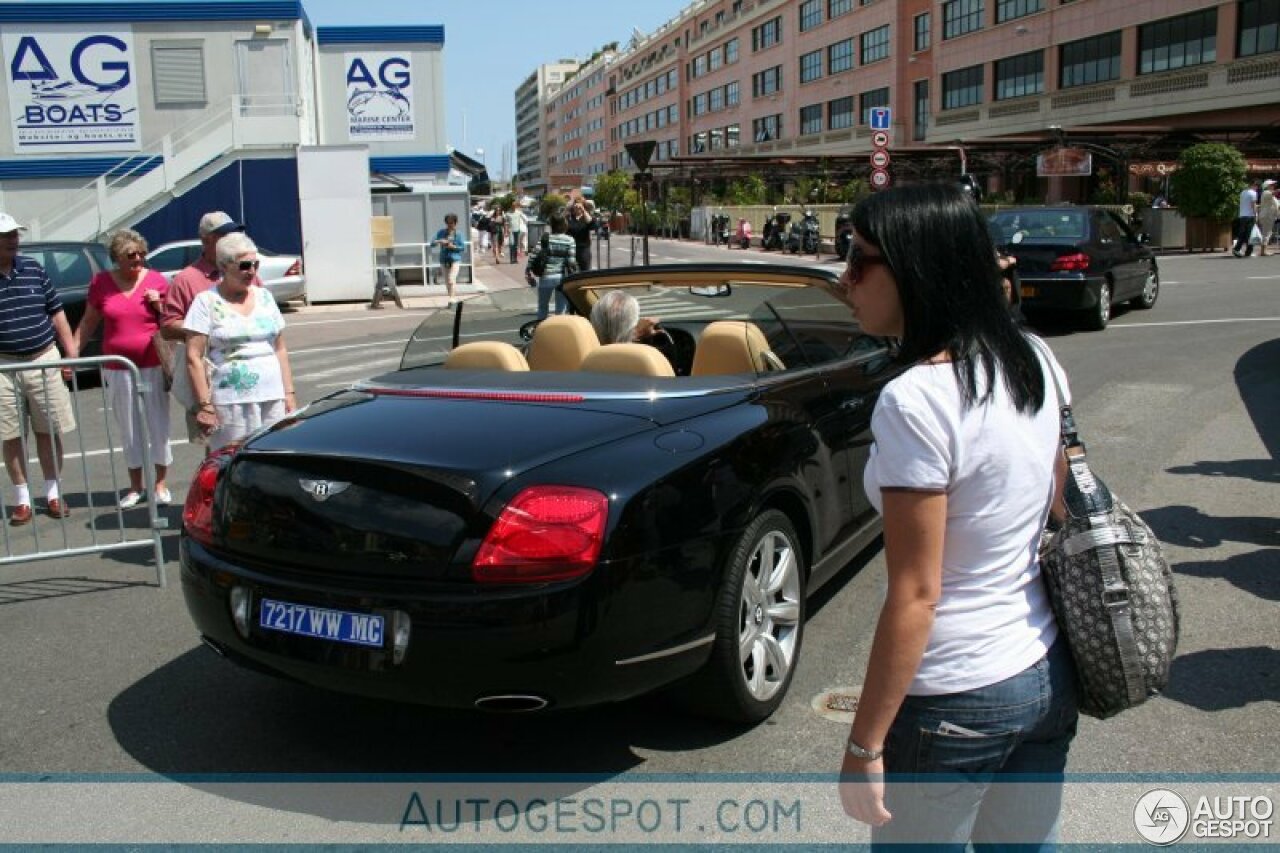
{"x":72,"y":90}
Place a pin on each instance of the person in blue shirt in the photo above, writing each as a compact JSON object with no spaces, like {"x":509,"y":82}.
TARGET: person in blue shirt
{"x":452,"y":244}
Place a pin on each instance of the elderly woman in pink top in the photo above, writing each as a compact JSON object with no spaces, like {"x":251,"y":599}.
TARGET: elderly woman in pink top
{"x":127,"y":301}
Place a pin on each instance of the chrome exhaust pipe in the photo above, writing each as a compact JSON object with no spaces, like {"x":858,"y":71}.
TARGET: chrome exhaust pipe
{"x":511,"y":703}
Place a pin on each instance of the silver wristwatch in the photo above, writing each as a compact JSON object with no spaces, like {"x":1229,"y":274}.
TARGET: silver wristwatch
{"x":865,"y":754}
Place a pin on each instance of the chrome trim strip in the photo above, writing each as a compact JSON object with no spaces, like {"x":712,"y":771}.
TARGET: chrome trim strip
{"x":668,"y":652}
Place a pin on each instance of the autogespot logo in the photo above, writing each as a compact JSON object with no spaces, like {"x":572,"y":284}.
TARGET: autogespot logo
{"x":1161,"y":816}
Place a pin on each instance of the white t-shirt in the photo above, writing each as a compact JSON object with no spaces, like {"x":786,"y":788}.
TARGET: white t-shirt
{"x":1248,"y":202}
{"x":241,"y":347}
{"x":995,"y":465}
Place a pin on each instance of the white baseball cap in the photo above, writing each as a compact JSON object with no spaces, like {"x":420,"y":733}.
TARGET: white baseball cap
{"x":8,"y":223}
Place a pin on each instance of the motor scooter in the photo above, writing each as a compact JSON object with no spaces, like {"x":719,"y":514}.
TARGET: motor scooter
{"x":743,"y":235}
{"x":719,"y":229}
{"x":775,"y":232}
{"x":844,"y":232}
{"x":804,"y":235}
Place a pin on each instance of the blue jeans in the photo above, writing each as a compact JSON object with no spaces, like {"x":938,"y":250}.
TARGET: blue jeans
{"x":546,"y":286}
{"x":984,"y":765}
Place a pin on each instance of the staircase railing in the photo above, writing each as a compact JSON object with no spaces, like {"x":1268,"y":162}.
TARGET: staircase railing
{"x":240,"y":122}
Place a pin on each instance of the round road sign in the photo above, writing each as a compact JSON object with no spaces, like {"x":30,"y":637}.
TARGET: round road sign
{"x":879,"y":179}
{"x":880,"y":139}
{"x":880,"y":158}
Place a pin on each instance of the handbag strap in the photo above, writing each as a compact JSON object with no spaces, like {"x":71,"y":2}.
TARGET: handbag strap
{"x":1088,"y":497}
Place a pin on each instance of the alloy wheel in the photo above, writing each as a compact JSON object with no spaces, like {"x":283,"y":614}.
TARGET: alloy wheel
{"x":769,"y":616}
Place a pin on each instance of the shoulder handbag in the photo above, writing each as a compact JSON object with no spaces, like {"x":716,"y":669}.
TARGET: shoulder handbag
{"x":1111,"y":588}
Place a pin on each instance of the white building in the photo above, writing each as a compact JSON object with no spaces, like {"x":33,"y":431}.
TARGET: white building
{"x":530,"y":95}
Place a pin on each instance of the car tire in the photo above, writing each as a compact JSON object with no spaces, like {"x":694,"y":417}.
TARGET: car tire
{"x":1150,"y":290}
{"x":1101,"y":315}
{"x":759,"y":619}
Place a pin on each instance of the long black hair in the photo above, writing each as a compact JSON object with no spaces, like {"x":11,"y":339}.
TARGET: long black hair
{"x":937,"y":245}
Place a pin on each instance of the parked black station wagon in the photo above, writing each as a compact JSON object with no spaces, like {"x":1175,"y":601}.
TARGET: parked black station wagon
{"x":512,"y":524}
{"x":1079,"y":259}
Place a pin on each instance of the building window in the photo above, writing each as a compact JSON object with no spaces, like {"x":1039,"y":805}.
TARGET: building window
{"x":717,"y":99}
{"x":731,"y":51}
{"x":1259,"y":27}
{"x":731,"y":94}
{"x":698,"y":143}
{"x":960,"y":17}
{"x":1019,"y":76}
{"x":1091,"y":60}
{"x":1178,"y":42}
{"x":836,"y":8}
{"x":717,"y":139}
{"x":962,"y":88}
{"x":699,"y":66}
{"x":811,"y":119}
{"x":767,"y":128}
{"x":1007,"y":10}
{"x":811,"y":66}
{"x":840,"y":56}
{"x":869,"y":100}
{"x":920,"y":127}
{"x":714,"y":60}
{"x":767,"y":34}
{"x":177,"y":71}
{"x":921,"y":26}
{"x":840,"y":113}
{"x":732,"y":136}
{"x":810,"y":14}
{"x":766,"y":82}
{"x":875,"y":45}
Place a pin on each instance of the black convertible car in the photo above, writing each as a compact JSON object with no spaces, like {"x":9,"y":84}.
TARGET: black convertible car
{"x":531,"y":520}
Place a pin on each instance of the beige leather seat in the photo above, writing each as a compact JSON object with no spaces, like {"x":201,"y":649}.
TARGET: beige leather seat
{"x":635,"y":359}
{"x":486,"y":355}
{"x":733,"y":346}
{"x":562,"y":342}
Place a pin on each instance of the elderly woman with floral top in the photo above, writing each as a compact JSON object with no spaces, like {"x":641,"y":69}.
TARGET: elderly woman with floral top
{"x":236,"y":355}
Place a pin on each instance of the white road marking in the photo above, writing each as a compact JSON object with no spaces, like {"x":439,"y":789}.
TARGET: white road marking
{"x":1262,"y":277}
{"x":330,"y":349}
{"x":1196,"y":322}
{"x":346,"y":368}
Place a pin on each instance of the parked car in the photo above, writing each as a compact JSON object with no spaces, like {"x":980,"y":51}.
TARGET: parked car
{"x":280,"y":274}
{"x":1079,"y":259}
{"x":70,"y":266}
{"x":514,"y":525}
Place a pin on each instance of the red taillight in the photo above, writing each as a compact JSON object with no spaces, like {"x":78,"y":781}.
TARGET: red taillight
{"x":197,"y":512}
{"x":547,"y":533}
{"x":295,"y":268}
{"x":1074,"y":262}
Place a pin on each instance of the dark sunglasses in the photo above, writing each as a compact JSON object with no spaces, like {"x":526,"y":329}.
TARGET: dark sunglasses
{"x":246,"y":266}
{"x":858,"y":262}
{"x":133,"y":256}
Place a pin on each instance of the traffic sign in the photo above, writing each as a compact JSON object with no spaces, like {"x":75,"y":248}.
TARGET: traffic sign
{"x":879,"y":179}
{"x":880,"y":139}
{"x":881,"y":118}
{"x":880,"y":158}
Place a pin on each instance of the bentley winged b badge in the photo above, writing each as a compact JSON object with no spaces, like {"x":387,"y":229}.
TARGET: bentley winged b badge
{"x":322,"y":490}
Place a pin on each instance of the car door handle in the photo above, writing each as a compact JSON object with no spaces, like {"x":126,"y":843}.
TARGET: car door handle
{"x":857,"y":404}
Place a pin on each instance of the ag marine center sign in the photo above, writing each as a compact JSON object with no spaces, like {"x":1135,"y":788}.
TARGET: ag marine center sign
{"x":379,"y":97}
{"x":72,"y":90}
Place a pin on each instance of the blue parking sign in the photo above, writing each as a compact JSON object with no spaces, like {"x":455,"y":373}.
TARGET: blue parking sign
{"x":881,"y":118}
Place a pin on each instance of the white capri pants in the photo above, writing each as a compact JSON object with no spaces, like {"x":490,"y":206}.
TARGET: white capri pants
{"x":238,"y":420}
{"x":155,"y":407}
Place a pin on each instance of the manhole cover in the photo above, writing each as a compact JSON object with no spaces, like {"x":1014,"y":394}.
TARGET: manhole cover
{"x":837,"y":704}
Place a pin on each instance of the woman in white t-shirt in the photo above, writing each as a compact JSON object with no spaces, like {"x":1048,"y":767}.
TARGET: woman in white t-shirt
{"x":236,"y":355}
{"x":964,"y":677}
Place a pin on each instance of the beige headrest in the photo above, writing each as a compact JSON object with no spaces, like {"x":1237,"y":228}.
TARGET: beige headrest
{"x":730,"y":346}
{"x":486,"y":355}
{"x":636,"y":359}
{"x":562,"y":342}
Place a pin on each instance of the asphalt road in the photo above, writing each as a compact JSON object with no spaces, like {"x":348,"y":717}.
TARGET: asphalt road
{"x":102,"y":672}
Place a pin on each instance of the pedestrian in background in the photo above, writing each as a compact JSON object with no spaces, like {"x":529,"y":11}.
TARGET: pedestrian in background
{"x":1268,"y":212}
{"x":31,"y":318}
{"x":1248,"y":218}
{"x":452,"y":247}
{"x":128,"y":301}
{"x":497,"y":231}
{"x":549,"y":262}
{"x":581,"y":224}
{"x":248,"y":383}
{"x":517,"y":228}
{"x":967,"y":680}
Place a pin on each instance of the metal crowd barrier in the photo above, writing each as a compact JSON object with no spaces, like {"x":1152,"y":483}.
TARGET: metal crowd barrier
{"x":96,"y":524}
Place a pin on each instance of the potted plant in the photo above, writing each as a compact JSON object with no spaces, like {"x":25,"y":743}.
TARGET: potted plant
{"x":1207,"y":189}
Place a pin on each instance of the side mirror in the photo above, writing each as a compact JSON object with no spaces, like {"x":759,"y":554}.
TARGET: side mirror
{"x":716,"y":291}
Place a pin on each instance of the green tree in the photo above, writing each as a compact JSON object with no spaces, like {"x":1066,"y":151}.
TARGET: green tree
{"x":854,"y":191}
{"x":748,"y":190}
{"x":611,"y":190}
{"x":551,"y":204}
{"x":1208,"y":182}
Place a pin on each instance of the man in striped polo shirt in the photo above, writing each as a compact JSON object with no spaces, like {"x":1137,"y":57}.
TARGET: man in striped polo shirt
{"x":31,"y":317}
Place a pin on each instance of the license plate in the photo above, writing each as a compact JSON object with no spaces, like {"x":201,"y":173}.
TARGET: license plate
{"x":1028,"y":292}
{"x":340,"y":626}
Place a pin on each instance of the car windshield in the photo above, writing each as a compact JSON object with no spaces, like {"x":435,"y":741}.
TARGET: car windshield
{"x":1039,"y":226}
{"x":763,"y":326}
